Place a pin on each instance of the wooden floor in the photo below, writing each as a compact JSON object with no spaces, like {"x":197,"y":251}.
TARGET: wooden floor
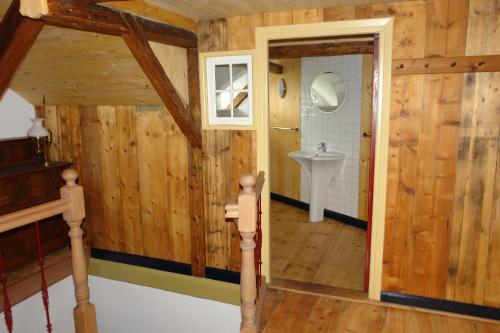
{"x":292,"y":312}
{"x":25,"y":281}
{"x":327,"y":253}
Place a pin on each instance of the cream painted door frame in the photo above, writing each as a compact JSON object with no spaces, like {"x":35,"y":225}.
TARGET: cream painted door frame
{"x":383,"y":27}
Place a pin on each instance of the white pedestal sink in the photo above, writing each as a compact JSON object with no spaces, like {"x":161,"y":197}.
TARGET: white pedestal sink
{"x":320,"y":168}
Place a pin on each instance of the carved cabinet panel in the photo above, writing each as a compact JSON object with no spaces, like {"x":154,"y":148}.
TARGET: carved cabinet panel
{"x":24,"y":185}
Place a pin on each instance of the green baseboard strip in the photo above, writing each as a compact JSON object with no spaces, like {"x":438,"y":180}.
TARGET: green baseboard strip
{"x":183,"y":284}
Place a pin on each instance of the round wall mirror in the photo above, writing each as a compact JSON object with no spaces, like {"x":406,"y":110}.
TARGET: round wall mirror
{"x":328,"y":92}
{"x":282,"y":88}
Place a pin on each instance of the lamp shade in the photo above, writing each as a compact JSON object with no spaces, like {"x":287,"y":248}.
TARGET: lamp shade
{"x":37,"y":130}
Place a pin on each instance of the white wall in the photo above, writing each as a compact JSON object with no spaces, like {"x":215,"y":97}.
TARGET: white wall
{"x":340,"y":130}
{"x":127,"y":308}
{"x":15,"y":115}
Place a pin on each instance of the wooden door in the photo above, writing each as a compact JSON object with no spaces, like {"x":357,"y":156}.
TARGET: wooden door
{"x":285,"y":112}
{"x":365,"y":136}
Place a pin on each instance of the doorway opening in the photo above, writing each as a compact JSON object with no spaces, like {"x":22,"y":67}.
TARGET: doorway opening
{"x":320,"y":110}
{"x":305,"y":255}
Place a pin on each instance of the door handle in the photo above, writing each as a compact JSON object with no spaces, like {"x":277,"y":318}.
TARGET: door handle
{"x":366,"y":135}
{"x":292,"y":129}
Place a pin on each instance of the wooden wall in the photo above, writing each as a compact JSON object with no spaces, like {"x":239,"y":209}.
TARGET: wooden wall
{"x":443,"y":226}
{"x":443,"y":207}
{"x":133,"y":165}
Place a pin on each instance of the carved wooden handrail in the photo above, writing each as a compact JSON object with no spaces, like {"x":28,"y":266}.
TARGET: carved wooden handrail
{"x":72,"y":206}
{"x":29,"y":215}
{"x":245,"y":210}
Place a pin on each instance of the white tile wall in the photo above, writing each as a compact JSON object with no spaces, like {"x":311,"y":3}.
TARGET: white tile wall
{"x":340,"y":130}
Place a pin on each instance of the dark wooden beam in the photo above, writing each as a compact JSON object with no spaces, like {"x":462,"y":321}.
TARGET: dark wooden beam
{"x":275,"y":68}
{"x":137,"y":43}
{"x":92,"y":17}
{"x":322,"y":39}
{"x":99,"y":1}
{"x":438,"y":65}
{"x":319,"y":50}
{"x":17,"y":35}
{"x":195,"y":178}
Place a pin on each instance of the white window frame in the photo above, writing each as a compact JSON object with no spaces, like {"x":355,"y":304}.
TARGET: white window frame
{"x":211,"y":109}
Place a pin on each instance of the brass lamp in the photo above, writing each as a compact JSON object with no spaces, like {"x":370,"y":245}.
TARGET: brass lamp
{"x":42,"y":138}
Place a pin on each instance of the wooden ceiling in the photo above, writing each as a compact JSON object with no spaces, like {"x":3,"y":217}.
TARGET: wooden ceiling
{"x":72,"y":67}
{"x":208,"y":9}
{"x":80,"y":68}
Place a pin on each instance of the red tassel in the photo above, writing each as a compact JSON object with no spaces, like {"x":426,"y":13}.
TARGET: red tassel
{"x":45,"y":291}
{"x":7,"y":307}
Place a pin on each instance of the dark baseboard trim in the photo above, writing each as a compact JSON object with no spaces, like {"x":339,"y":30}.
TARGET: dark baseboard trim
{"x":222,"y":275}
{"x":441,"y":305}
{"x":164,"y":265}
{"x":141,"y":261}
{"x":328,"y":213}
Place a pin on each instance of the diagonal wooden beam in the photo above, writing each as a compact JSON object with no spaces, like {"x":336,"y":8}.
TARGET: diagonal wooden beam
{"x":17,"y":35}
{"x":195,"y":178}
{"x":78,"y":15}
{"x":137,"y":43}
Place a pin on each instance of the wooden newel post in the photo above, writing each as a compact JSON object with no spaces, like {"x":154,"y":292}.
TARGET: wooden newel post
{"x":84,"y":312}
{"x":247,"y":225}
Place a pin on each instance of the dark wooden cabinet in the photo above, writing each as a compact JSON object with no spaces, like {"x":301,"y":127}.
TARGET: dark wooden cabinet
{"x":24,"y":183}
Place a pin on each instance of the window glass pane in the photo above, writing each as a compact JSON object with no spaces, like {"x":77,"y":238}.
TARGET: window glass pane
{"x":240,"y":76}
{"x":222,"y":79}
{"x":223,"y":104}
{"x":241,"y":104}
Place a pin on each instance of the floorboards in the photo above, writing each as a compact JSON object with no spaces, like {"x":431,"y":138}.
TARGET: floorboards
{"x":292,"y":312}
{"x":328,"y":253}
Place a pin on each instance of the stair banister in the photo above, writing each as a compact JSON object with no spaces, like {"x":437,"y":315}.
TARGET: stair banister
{"x":72,"y":206}
{"x":245,"y":211}
{"x":84,"y":311}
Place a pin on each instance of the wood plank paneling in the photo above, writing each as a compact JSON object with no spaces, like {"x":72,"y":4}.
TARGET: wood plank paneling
{"x":133,"y":163}
{"x":479,"y":141}
{"x":153,"y":182}
{"x":212,"y":36}
{"x":442,"y":235}
{"x":92,"y":175}
{"x":111,"y":194}
{"x":128,"y":167}
{"x":424,"y":156}
{"x":307,"y":16}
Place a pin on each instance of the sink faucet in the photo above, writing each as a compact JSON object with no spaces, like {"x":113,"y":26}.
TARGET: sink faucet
{"x":322,"y":147}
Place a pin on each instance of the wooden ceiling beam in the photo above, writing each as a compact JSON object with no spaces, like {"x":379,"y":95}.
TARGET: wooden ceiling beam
{"x":275,"y":68}
{"x":319,"y":50}
{"x":99,"y":1}
{"x":155,"y":13}
{"x":18,"y":33}
{"x":91,"y":17}
{"x":138,"y":44}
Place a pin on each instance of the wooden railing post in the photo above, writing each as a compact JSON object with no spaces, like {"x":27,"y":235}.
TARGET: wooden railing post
{"x":247,"y":226}
{"x":84,"y":312}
